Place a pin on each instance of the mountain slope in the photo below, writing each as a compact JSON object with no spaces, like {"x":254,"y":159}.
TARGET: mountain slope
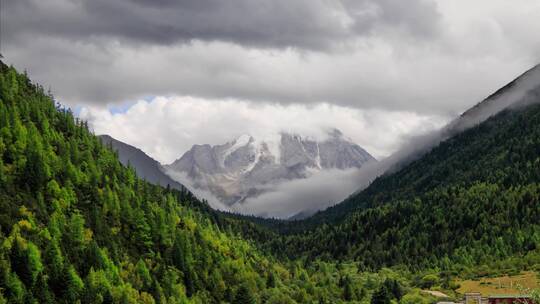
{"x":473,"y":198}
{"x":245,"y":168}
{"x":78,"y":227}
{"x":452,"y":160}
{"x":146,"y":167}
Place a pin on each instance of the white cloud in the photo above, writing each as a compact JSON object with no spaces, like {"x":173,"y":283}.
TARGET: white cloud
{"x":201,"y":194}
{"x":317,"y":192}
{"x":166,"y":127}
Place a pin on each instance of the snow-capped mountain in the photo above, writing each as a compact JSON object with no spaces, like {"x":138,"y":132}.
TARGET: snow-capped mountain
{"x":247,"y":167}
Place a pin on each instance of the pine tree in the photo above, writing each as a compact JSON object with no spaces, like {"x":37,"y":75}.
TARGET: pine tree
{"x":381,"y":296}
{"x":26,"y":261}
{"x":74,"y":284}
{"x":36,"y":171}
{"x":244,"y":296}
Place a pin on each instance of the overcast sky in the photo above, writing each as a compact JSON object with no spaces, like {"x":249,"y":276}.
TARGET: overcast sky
{"x":164,"y":74}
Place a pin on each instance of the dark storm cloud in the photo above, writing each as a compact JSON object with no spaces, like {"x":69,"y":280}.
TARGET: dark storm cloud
{"x":304,"y":24}
{"x":423,"y":56}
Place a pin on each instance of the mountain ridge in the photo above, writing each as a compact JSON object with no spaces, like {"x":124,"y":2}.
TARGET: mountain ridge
{"x":147,"y":168}
{"x":78,"y":226}
{"x":470,"y":200}
{"x":246,"y":167}
{"x":523,"y":90}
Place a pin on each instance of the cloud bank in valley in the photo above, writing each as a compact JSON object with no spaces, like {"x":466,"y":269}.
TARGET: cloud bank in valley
{"x":302,"y":197}
{"x":305,"y":196}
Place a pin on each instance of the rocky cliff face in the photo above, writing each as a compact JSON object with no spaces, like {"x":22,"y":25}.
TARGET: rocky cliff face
{"x":247,"y":167}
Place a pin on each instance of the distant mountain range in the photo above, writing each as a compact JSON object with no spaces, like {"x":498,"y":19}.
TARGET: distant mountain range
{"x":247,"y":167}
{"x":76,"y":226}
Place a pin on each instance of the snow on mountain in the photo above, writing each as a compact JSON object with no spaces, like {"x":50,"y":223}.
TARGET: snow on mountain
{"x":246,"y":167}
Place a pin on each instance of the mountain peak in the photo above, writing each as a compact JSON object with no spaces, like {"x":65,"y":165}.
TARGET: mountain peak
{"x":336,"y":133}
{"x":243,"y":140}
{"x":246,"y":167}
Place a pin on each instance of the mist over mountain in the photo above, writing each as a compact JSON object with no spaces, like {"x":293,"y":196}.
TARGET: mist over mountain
{"x":520,"y":92}
{"x":247,"y":167}
{"x":517,"y":94}
{"x":296,"y":176}
{"x":269,"y":152}
{"x":78,"y":226}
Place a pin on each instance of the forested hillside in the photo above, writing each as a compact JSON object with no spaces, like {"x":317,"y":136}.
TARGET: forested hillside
{"x":78,"y":227}
{"x":463,"y":159}
{"x":471,"y":200}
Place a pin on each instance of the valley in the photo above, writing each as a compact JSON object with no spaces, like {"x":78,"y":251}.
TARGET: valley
{"x":269,"y":152}
{"x":241,"y":170}
{"x":78,"y":225}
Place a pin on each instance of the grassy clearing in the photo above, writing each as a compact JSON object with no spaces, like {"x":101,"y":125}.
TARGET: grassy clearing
{"x":500,"y":285}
